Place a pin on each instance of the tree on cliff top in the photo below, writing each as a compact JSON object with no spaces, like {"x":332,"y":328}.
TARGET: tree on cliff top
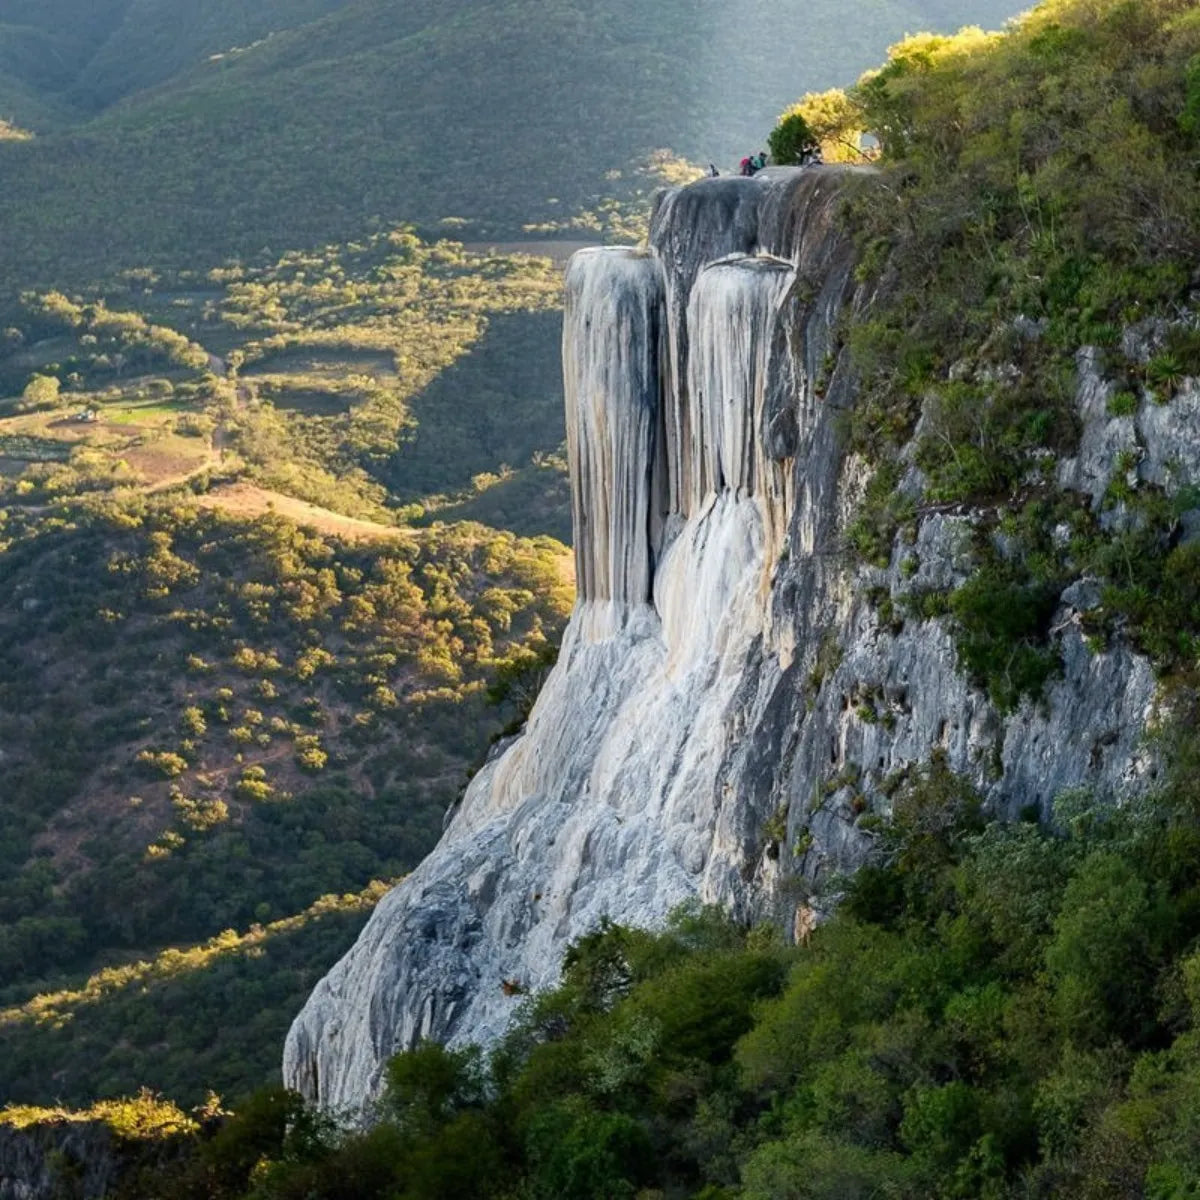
{"x":791,"y":139}
{"x":830,"y":120}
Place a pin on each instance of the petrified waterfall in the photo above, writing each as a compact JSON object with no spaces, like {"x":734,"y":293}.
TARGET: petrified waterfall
{"x":612,"y":803}
{"x":639,"y":470}
{"x":731,"y":319}
{"x":709,"y":683}
{"x":612,"y":355}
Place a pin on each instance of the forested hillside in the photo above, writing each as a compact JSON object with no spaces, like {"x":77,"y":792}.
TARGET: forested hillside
{"x":505,"y":114}
{"x":992,"y":1009}
{"x":280,"y":463}
{"x":208,"y":725}
{"x":993,"y":1014}
{"x":209,"y":718}
{"x":90,"y":54}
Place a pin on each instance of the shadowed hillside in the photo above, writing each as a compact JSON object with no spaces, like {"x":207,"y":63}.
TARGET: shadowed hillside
{"x":502,"y":113}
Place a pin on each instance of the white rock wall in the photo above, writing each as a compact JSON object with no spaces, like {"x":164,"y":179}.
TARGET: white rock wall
{"x":612,"y":353}
{"x":710,"y":496}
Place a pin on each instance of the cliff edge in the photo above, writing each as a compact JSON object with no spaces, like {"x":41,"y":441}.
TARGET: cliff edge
{"x":732,"y":700}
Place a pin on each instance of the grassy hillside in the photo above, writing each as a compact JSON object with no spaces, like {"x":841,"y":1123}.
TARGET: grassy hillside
{"x":504,"y":113}
{"x":210,"y":723}
{"x":235,"y":677}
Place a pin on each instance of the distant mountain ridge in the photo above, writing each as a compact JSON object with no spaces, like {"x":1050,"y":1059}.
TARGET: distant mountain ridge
{"x":211,"y":138}
{"x":93,"y":54}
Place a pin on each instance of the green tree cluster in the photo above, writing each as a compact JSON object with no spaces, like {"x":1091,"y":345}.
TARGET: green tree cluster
{"x":1035,"y":196}
{"x":998,"y":1010}
{"x":791,"y":139}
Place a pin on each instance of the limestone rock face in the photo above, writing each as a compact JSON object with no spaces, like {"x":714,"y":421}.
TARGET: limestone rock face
{"x":60,"y":1158}
{"x":612,"y":352}
{"x":723,"y":665}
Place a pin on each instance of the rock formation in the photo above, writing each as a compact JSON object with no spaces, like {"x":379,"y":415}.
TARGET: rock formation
{"x":77,"y":1158}
{"x":710,"y":690}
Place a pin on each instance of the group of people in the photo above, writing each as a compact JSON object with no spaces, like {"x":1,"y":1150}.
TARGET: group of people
{"x":754,"y":164}
{"x":809,"y":157}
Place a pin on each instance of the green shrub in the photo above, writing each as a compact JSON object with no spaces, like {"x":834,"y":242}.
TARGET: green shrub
{"x":41,"y":392}
{"x":1189,"y":118}
{"x":1165,"y":371}
{"x":791,"y":139}
{"x":162,"y":763}
{"x":1122,"y":404}
{"x":1003,"y":626}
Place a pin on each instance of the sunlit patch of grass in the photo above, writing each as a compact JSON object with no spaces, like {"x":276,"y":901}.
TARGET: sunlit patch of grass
{"x":139,"y":414}
{"x":57,"y":1008}
{"x":144,"y":1117}
{"x":13,"y":133}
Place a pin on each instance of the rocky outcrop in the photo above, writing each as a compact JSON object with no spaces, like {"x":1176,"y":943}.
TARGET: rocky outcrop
{"x":81,"y":1159}
{"x":724,"y":673}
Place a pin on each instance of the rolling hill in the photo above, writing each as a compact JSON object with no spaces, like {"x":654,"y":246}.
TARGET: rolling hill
{"x":502,"y":113}
{"x":283,"y":516}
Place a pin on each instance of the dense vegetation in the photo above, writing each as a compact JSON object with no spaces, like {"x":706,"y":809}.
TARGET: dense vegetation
{"x":371,"y":378}
{"x":207,"y":725}
{"x":993,"y":1011}
{"x":166,"y":1021}
{"x":1042,"y":199}
{"x":503,"y":114}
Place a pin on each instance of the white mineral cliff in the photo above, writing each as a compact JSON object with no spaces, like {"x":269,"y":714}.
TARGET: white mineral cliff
{"x":704,"y":388}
